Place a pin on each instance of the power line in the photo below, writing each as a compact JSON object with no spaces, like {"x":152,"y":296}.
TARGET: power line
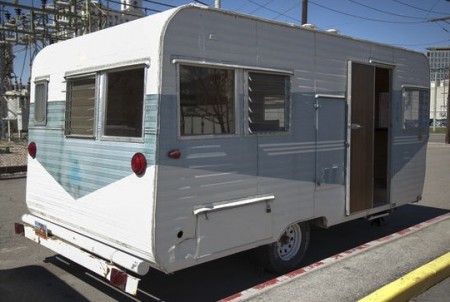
{"x":385,"y":12}
{"x":260,"y":7}
{"x":288,"y":10}
{"x":364,"y":18}
{"x":419,"y":8}
{"x":159,"y":3}
{"x":271,"y":10}
{"x":422,"y":44}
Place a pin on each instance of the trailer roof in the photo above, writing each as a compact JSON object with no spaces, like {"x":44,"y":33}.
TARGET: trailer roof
{"x":132,"y":41}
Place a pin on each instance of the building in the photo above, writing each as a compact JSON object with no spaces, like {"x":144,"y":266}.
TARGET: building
{"x":439,"y":58}
{"x":98,"y":16}
{"x":438,"y":99}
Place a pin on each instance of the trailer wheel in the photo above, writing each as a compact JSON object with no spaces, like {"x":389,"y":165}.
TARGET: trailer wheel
{"x":285,"y":254}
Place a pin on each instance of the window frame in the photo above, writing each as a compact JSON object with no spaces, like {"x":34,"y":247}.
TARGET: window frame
{"x":236,"y":131}
{"x":287,"y":105}
{"x":422,"y":123}
{"x":43,"y":81}
{"x":103,"y":103}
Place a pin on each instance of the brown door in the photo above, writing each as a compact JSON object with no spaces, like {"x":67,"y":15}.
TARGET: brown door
{"x":361,"y":136}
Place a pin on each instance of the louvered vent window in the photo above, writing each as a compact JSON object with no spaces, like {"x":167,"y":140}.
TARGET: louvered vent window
{"x":80,"y":110}
{"x":268,"y":106}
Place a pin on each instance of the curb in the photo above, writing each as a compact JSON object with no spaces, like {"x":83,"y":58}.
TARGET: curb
{"x":289,"y":277}
{"x":414,"y":283}
{"x":13,"y":172}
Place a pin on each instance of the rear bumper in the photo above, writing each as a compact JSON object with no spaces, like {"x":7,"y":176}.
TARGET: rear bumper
{"x":99,"y":258}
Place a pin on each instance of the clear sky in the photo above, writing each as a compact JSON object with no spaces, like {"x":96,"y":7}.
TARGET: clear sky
{"x":404,"y":23}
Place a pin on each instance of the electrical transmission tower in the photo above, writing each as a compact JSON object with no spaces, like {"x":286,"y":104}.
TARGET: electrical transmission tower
{"x":42,"y":23}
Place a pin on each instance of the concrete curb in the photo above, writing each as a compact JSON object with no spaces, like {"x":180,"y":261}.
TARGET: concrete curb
{"x":290,"y":277}
{"x":414,"y":283}
{"x":13,"y":172}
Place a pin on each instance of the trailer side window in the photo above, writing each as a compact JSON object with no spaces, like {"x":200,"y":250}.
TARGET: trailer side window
{"x":80,"y":108}
{"x":415,"y":113}
{"x":206,"y":100}
{"x":40,"y":103}
{"x":124,"y":103}
{"x":268,"y":106}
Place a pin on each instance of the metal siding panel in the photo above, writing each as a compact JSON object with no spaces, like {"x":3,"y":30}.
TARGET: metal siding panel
{"x":382,"y":54}
{"x":88,"y":185}
{"x":319,"y":62}
{"x":105,"y":215}
{"x":332,"y":54}
{"x":209,"y":170}
{"x":408,"y":170}
{"x":409,"y":69}
{"x":408,"y":147}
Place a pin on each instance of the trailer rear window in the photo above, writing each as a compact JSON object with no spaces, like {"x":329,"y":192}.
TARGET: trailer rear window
{"x":415,"y":113}
{"x":268,"y":106}
{"x":124,"y":103}
{"x":206,"y":100}
{"x":80,"y":110}
{"x":40,"y":103}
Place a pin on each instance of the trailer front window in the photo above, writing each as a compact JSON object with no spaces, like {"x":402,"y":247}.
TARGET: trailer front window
{"x":415,"y":115}
{"x":80,"y":110}
{"x":206,"y":100}
{"x":268,"y":105}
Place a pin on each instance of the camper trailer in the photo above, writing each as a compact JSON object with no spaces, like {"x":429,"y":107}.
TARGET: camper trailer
{"x":196,"y":133}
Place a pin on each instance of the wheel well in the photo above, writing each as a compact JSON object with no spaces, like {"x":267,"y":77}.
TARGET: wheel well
{"x":321,"y":222}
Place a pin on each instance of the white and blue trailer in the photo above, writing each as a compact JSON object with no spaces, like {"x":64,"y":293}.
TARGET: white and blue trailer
{"x":196,"y":133}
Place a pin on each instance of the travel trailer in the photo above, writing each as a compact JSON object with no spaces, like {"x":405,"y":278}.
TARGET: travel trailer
{"x":196,"y":133}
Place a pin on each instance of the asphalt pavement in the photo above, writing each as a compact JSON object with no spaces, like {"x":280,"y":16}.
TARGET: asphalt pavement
{"x":347,"y":276}
{"x":352,"y":278}
{"x":361,"y":271}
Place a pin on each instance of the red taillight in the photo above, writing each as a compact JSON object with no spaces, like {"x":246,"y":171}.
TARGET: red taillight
{"x":175,"y":154}
{"x":118,"y":278}
{"x":32,"y":149}
{"x":19,"y":229}
{"x":138,"y":164}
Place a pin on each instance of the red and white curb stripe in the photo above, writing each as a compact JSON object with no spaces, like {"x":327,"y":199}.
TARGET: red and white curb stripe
{"x":260,"y":288}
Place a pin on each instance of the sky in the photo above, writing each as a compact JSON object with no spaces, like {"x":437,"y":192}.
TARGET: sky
{"x":405,"y":23}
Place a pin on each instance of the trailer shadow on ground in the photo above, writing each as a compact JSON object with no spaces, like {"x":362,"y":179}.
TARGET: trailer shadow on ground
{"x":224,"y":277}
{"x":35,"y":283}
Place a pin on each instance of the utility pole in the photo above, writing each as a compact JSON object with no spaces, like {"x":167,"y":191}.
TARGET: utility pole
{"x":435,"y":100}
{"x":447,"y":132}
{"x":304,"y":12}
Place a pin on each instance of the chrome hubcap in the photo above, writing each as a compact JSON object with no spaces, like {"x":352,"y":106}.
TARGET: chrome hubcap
{"x":289,"y":243}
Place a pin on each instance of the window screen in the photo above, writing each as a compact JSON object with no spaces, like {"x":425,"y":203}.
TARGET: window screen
{"x":80,"y":109}
{"x":124,"y":103}
{"x":40,"y":103}
{"x":267,"y":102}
{"x":206,"y":100}
{"x":415,"y":109}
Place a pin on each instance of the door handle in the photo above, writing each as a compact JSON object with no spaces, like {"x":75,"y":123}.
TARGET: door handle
{"x":355,"y":126}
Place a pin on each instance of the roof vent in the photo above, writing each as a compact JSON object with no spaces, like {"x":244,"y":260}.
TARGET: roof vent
{"x":309,"y":26}
{"x":333,"y":31}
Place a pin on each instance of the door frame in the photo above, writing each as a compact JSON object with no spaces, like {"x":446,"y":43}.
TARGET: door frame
{"x":375,"y":66}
